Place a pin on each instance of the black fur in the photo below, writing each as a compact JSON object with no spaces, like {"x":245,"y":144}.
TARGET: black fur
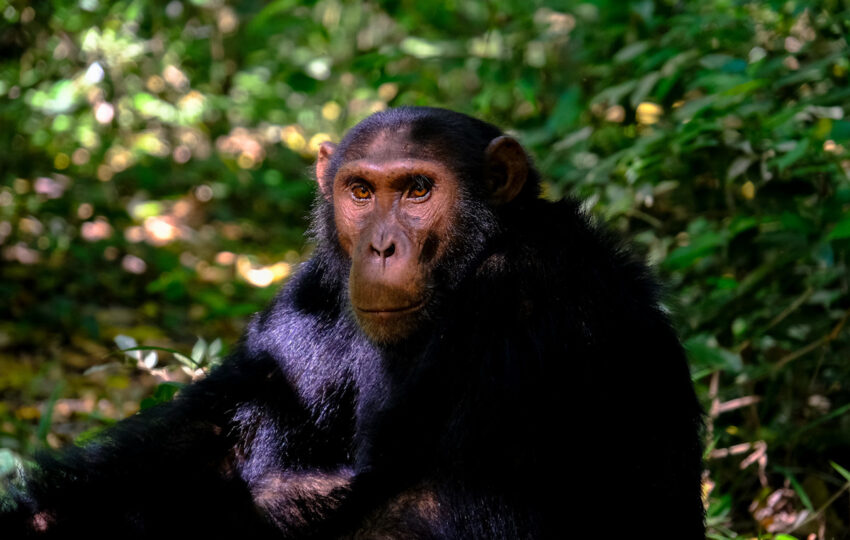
{"x":546,"y":396}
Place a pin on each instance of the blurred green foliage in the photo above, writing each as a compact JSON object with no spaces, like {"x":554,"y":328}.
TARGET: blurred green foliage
{"x":155,"y":183}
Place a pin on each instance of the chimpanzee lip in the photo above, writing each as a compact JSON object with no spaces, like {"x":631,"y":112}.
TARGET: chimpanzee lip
{"x":410,"y":308}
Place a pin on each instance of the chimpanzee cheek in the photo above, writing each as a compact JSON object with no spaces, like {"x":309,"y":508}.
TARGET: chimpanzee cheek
{"x":345,"y":242}
{"x":430,"y":247}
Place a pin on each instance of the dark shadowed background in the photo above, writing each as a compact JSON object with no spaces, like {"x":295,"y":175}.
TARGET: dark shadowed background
{"x":155,"y":184}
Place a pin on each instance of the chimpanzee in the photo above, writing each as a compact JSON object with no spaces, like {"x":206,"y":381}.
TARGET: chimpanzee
{"x":458,"y":359}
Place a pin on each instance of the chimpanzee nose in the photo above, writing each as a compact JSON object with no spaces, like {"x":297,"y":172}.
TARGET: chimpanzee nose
{"x":383,"y":246}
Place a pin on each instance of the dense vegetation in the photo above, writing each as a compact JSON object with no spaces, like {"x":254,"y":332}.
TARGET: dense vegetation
{"x":155,"y":182}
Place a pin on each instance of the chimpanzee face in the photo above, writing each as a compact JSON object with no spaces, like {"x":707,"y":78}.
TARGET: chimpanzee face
{"x":395,"y":207}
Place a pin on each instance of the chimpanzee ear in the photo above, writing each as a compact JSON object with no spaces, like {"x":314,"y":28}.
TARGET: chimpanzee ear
{"x":326,"y":150}
{"x":507,"y":166}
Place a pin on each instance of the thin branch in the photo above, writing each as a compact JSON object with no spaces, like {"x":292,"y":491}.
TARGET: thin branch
{"x":831,"y":336}
{"x":737,"y":403}
{"x":823,"y":508}
{"x":795,"y":305}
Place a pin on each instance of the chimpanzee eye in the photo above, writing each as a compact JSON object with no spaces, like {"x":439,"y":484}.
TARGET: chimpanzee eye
{"x":420,"y":188}
{"x":360,"y":192}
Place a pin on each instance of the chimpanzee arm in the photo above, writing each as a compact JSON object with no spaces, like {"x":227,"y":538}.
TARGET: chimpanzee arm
{"x":227,"y":456}
{"x":169,"y":469}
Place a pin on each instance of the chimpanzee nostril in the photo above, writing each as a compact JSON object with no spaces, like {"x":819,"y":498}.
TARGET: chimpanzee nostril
{"x":384,"y":249}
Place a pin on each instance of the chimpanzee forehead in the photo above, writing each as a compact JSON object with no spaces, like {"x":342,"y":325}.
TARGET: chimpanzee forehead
{"x":452,"y":139}
{"x":387,"y":144}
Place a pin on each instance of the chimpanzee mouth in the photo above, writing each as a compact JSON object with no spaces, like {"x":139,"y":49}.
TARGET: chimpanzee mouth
{"x":401,"y":310}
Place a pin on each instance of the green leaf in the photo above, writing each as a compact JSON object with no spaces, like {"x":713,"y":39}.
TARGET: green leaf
{"x":701,"y":246}
{"x":199,"y":350}
{"x":841,"y":229}
{"x":739,"y":166}
{"x":796,"y":222}
{"x":182,"y":358}
{"x":125,"y":342}
{"x":631,"y":51}
{"x":644,"y":87}
{"x":841,"y":470}
{"x":704,"y":353}
{"x":741,"y":224}
{"x":270,"y":12}
{"x":795,"y":154}
{"x":615,"y":94}
{"x":47,"y":417}
{"x":215,"y":348}
{"x":691,"y":108}
{"x":566,"y":112}
{"x":748,"y":87}
{"x":715,"y":61}
{"x":164,"y":392}
{"x":61,"y":97}
{"x":150,"y":360}
{"x":840,"y":130}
